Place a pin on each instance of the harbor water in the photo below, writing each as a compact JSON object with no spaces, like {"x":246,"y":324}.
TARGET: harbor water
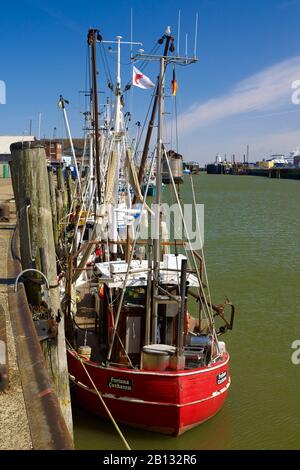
{"x":252,"y":231}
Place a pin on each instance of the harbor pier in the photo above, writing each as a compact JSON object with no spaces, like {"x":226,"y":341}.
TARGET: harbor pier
{"x":284,"y":172}
{"x":30,"y":416}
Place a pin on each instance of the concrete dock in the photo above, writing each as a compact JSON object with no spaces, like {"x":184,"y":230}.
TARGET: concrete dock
{"x":30,"y":414}
{"x":15,"y":433}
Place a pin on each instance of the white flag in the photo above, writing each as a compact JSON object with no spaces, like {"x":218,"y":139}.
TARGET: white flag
{"x":140,"y":80}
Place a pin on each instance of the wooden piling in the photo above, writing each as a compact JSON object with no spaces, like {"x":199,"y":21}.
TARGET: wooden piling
{"x":32,"y":194}
{"x":69,"y":183}
{"x":53,"y":204}
{"x":62,"y":186}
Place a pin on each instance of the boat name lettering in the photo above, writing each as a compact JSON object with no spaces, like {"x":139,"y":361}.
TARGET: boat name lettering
{"x":123,"y":384}
{"x":221,"y":377}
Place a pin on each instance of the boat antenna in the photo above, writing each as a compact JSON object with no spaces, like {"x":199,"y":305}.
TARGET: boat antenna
{"x":167,"y":38}
{"x":186,"y":45}
{"x":178,"y":33}
{"x":131,"y":32}
{"x":196,"y":34}
{"x":39,"y":128}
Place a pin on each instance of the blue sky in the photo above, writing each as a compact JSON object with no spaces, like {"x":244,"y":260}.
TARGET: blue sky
{"x":239,"y":91}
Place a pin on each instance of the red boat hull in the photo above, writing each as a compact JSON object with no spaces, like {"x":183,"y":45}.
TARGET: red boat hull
{"x":167,"y":402}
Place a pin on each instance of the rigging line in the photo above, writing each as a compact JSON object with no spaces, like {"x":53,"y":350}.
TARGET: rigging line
{"x":152,"y":98}
{"x":126,"y":353}
{"x":87,"y":79}
{"x":143,"y":128}
{"x":83,"y":156}
{"x":185,"y":251}
{"x":201,"y":241}
{"x":142,"y":66}
{"x":145,"y":63}
{"x":188,"y":256}
{"x":105,"y":61}
{"x":108,"y":260}
{"x":89,"y":68}
{"x":189,"y":241}
{"x":88,"y":210}
{"x":129,"y":262}
{"x":111,"y":303}
{"x":203,"y":307}
{"x":171,"y":61}
{"x":176,"y":124}
{"x":101,"y":398}
{"x":106,"y":70}
{"x":172,"y":125}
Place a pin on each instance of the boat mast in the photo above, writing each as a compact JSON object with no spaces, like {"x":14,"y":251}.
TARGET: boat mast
{"x":118,"y":136}
{"x":94,"y":36}
{"x":118,"y":88}
{"x":157,"y":220}
{"x":151,"y":122}
{"x":164,"y":60}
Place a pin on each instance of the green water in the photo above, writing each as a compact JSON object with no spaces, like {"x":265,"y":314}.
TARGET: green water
{"x":252,"y":228}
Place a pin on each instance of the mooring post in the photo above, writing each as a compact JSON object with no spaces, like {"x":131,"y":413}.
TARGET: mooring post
{"x":61,"y":185}
{"x":53,"y":204}
{"x":31,"y":189}
{"x":69,"y":182}
{"x":60,"y":211}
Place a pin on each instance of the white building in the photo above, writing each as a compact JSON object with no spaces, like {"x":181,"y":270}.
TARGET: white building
{"x":7,"y":140}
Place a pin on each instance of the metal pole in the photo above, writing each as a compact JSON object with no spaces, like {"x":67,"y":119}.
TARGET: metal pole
{"x":151,"y":124}
{"x":196,"y":33}
{"x":39,"y":129}
{"x":148,"y":295}
{"x":92,"y":43}
{"x":114,"y":237}
{"x":156,"y":245}
{"x":72,"y":146}
{"x":181,"y":313}
{"x":91,"y":169}
{"x":178,"y":33}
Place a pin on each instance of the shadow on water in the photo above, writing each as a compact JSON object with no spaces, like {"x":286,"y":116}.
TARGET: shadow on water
{"x":92,"y":432}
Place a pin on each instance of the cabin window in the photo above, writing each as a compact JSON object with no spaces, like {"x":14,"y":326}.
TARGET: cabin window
{"x":135,"y":296}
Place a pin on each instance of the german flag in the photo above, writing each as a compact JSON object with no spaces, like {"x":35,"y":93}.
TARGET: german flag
{"x":174,"y":84}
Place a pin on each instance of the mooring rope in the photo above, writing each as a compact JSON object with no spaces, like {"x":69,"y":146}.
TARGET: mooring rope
{"x":101,"y":399}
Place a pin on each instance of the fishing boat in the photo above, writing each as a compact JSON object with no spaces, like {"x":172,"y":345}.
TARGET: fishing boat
{"x":134,"y":350}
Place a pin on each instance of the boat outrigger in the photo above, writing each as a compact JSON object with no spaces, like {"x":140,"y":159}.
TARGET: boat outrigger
{"x":127,"y":298}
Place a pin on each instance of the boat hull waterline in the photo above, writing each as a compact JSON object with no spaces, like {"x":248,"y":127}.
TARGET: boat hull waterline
{"x":169,"y":402}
